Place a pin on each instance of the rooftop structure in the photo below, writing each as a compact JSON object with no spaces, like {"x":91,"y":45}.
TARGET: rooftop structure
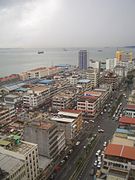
{"x":127,"y":120}
{"x":120,"y":151}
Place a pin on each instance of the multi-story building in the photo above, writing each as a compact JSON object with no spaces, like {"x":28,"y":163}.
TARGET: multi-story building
{"x":70,"y":121}
{"x":24,"y":151}
{"x":93,"y":76}
{"x":120,"y":70}
{"x":84,"y":84}
{"x":12,"y":99}
{"x":110,"y":64}
{"x":7,"y":115}
{"x":111,"y":78}
{"x":118,"y":161}
{"x":46,"y":135}
{"x":73,"y":79}
{"x":83,"y":59}
{"x":89,"y":105}
{"x":63,"y":100}
{"x":124,"y":56}
{"x":130,"y":110}
{"x":35,"y":96}
{"x":94,"y":64}
{"x":11,"y":168}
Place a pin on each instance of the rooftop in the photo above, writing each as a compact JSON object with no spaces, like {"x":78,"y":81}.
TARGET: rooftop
{"x":64,"y":120}
{"x":92,"y":93}
{"x":9,"y":164}
{"x":69,"y":112}
{"x":84,"y":81}
{"x":122,"y":141}
{"x":46,"y":81}
{"x":130,"y":106}
{"x":90,"y":99}
{"x":127,"y":120}
{"x":120,"y":151}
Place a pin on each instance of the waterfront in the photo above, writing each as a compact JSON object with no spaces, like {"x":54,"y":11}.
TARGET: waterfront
{"x":19,"y":59}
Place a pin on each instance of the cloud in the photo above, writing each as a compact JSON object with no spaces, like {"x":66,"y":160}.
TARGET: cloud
{"x":55,"y":23}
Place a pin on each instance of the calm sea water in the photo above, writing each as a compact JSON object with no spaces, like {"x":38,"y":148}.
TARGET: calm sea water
{"x":19,"y":60}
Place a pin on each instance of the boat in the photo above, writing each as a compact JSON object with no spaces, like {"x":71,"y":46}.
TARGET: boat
{"x":100,"y":50}
{"x":40,"y":52}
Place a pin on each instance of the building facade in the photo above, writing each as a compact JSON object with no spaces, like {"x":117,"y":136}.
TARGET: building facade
{"x":83,"y":59}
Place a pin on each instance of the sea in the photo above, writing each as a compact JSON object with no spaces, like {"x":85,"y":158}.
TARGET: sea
{"x":16,"y":60}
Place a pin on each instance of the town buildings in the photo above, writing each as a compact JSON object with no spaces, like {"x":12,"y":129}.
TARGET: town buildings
{"x":110,"y":64}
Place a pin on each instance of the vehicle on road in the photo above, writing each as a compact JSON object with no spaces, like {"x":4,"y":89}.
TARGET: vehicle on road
{"x":77,"y":143}
{"x":92,"y":121}
{"x":105,"y":143}
{"x":100,"y":130}
{"x":62,"y":162}
{"x":95,"y":163}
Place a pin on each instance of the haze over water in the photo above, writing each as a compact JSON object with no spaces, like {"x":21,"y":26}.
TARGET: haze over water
{"x":19,"y":60}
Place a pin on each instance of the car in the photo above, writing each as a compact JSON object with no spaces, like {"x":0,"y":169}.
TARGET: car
{"x":105,"y":143}
{"x":92,"y":121}
{"x":100,"y":130}
{"x":95,"y":163}
{"x":66,"y":157}
{"x":98,"y":152}
{"x":99,"y":166}
{"x":77,"y":143}
{"x":101,"y":113}
{"x":62,"y":162}
{"x":99,"y":158}
{"x":70,"y":151}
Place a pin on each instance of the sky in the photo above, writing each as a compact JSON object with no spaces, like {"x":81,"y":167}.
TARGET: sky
{"x":67,"y":23}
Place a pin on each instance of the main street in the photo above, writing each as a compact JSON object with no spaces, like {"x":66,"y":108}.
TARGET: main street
{"x":104,"y":122}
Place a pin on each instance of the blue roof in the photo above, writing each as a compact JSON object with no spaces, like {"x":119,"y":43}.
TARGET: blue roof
{"x":124,"y":131}
{"x":46,"y":81}
{"x":84,"y":81}
{"x":22,"y":89}
{"x":63,"y":65}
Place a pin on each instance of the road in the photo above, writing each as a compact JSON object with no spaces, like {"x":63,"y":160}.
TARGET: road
{"x":105,"y":122}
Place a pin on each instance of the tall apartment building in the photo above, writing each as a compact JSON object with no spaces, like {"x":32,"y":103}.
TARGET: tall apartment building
{"x":24,"y":151}
{"x":93,"y":76}
{"x":110,"y":64}
{"x":111,"y":78}
{"x":46,"y":135}
{"x":7,"y":115}
{"x":70,"y":121}
{"x":83,"y":59}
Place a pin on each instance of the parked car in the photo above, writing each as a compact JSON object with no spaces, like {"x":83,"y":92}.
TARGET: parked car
{"x":77,"y":143}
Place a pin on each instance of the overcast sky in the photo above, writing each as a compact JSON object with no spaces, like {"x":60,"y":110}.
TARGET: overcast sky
{"x":67,"y":23}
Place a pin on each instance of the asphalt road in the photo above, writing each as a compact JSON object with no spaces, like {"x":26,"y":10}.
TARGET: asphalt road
{"x":105,"y":122}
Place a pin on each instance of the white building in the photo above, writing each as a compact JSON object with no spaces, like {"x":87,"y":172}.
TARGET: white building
{"x":94,"y":64}
{"x":93,"y":76}
{"x":25,"y":151}
{"x":110,"y":64}
{"x":73,"y":80}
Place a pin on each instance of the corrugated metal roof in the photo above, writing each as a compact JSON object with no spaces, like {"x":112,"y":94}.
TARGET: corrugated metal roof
{"x":120,"y":151}
{"x":127,"y":120}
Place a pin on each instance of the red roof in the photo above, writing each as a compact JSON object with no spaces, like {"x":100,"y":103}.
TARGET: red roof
{"x":71,"y":111}
{"x":120,"y":151}
{"x":131,"y":106}
{"x":127,"y":120}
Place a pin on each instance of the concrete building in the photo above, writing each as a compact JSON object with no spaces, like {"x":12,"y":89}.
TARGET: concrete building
{"x":93,"y":76}
{"x":130,"y":110}
{"x":83,"y":59}
{"x":63,"y":100}
{"x":111,"y":78}
{"x":7,"y":115}
{"x":24,"y":151}
{"x":118,"y":161}
{"x":12,"y":99}
{"x":45,"y":134}
{"x":89,"y":105}
{"x":110,"y":64}
{"x":84,"y":84}
{"x":73,"y":79}
{"x":123,"y":56}
{"x":94,"y":64}
{"x":35,"y":96}
{"x":120,"y":70}
{"x":70,"y":121}
{"x":11,"y":168}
